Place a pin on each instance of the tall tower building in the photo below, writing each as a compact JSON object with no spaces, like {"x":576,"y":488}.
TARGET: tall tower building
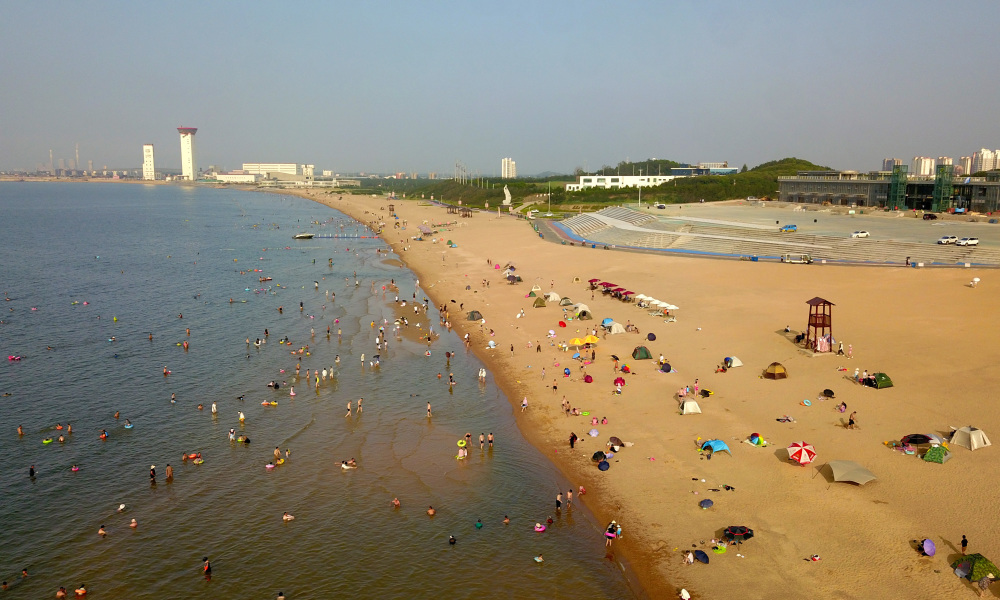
{"x":148,"y":168}
{"x":984,"y":160}
{"x":922,"y":165}
{"x":189,"y":159}
{"x":965,"y":163}
{"x":944,"y":160}
{"x":889,"y":163}
{"x":508,"y":168}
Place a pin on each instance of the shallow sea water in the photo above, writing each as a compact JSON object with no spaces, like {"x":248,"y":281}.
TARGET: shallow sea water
{"x":144,"y":255}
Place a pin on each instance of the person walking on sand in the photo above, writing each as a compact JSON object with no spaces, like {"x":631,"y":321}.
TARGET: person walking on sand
{"x":512,"y":350}
{"x":850,"y":351}
{"x":524,"y":403}
{"x":965,"y":545}
{"x":984,"y":584}
{"x":572,"y":440}
{"x":850,"y":420}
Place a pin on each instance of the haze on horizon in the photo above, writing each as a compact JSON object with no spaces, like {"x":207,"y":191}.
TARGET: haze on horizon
{"x":400,"y":86}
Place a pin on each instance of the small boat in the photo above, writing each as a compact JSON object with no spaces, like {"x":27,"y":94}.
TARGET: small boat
{"x":303,"y":236}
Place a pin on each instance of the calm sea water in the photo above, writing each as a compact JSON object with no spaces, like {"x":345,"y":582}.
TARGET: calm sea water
{"x":84,"y":263}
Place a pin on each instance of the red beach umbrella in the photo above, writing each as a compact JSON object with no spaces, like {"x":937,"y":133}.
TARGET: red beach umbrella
{"x":802,"y":453}
{"x":594,"y":280}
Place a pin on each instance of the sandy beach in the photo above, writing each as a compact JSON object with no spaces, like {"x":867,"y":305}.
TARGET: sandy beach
{"x":928,"y":329}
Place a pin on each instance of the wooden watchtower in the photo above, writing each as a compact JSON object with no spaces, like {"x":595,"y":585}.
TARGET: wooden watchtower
{"x":820,"y":322}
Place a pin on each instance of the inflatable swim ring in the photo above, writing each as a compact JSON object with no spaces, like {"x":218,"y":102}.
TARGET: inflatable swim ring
{"x":539,"y":527}
{"x":280,"y":461}
{"x":461,"y":443}
{"x":129,"y":426}
{"x":75,"y":469}
{"x":268,"y":466}
{"x":806,"y":402}
{"x":198,"y":461}
{"x":59,"y":426}
{"x":538,"y":559}
{"x":195,"y":455}
{"x":47,"y":441}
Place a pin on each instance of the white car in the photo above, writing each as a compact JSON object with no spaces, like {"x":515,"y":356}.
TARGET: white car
{"x":860,"y":234}
{"x":947,"y":239}
{"x":967,"y":242}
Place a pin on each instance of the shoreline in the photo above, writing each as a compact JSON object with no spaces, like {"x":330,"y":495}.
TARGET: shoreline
{"x":904,"y":322}
{"x":502,"y":372}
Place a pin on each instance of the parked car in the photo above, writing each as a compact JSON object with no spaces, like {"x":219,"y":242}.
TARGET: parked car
{"x":787,"y":228}
{"x":930,"y":217}
{"x":661,"y":206}
{"x":860,"y":234}
{"x":947,"y":239}
{"x":969,"y":241}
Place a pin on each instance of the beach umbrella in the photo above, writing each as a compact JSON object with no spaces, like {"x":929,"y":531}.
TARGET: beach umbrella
{"x":588,"y":379}
{"x":615,"y":357}
{"x":641,"y":297}
{"x":671,"y":307}
{"x":651,"y":337}
{"x":604,"y":465}
{"x":511,"y":278}
{"x":591,"y":339}
{"x":619,"y":381}
{"x":593,"y":433}
{"x":627,"y":293}
{"x":915,"y":438}
{"x":562,"y":323}
{"x":616,"y":441}
{"x":700,"y":556}
{"x":552,"y":332}
{"x":576,"y":355}
{"x":594,"y":280}
{"x":928,"y":547}
{"x":828,"y":393}
{"x":706,"y":503}
{"x":802,"y":453}
{"x":607,"y":284}
{"x":738,"y":533}
{"x":576,"y":342}
{"x":598,"y":456}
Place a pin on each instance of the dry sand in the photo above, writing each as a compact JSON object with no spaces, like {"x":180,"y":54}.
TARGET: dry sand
{"x":926,"y":328}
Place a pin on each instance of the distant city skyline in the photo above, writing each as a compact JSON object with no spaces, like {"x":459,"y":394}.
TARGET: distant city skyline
{"x":745,"y":82}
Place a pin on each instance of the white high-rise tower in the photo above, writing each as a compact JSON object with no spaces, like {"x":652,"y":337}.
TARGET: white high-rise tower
{"x":189,"y":160}
{"x":508,"y":168}
{"x":148,"y":168}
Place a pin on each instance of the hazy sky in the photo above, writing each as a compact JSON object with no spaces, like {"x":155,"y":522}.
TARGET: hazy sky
{"x":415,"y":86}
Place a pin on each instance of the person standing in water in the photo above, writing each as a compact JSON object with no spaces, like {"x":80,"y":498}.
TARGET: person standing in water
{"x":206,"y":567}
{"x":348,"y":409}
{"x":359,"y":406}
{"x":428,"y":410}
{"x":152,"y":473}
{"x":169,"y":472}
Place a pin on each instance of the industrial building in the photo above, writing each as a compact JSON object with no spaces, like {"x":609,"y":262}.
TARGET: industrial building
{"x":189,"y":158}
{"x":897,"y":189}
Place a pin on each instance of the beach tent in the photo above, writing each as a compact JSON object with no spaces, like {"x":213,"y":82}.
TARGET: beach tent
{"x":974,"y":567}
{"x":616,"y":328}
{"x":552,"y":297}
{"x":882,"y":380}
{"x":775,"y":371}
{"x":565,"y":302}
{"x":475,"y":315}
{"x":576,"y":280}
{"x":581,"y":306}
{"x":531,"y":295}
{"x":690,"y":407}
{"x":732,"y":362}
{"x":641,"y":353}
{"x":606,"y":322}
{"x":584,"y":315}
{"x":971,"y":438}
{"x":536,"y":288}
{"x":937,"y":454}
{"x":717,"y":446}
{"x":539,"y":303}
{"x":848,"y":470}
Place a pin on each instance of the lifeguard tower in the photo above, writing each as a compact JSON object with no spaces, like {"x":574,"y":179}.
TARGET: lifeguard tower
{"x":820,"y":325}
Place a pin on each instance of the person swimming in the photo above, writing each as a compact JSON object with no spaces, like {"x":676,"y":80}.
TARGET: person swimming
{"x":287,"y":517}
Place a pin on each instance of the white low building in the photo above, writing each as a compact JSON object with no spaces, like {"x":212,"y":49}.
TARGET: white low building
{"x":265,"y":168}
{"x":618,"y":181}
{"x":237,"y":177}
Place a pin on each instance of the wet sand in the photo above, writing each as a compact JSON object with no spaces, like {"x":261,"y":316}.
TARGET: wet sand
{"x":927,"y":329}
